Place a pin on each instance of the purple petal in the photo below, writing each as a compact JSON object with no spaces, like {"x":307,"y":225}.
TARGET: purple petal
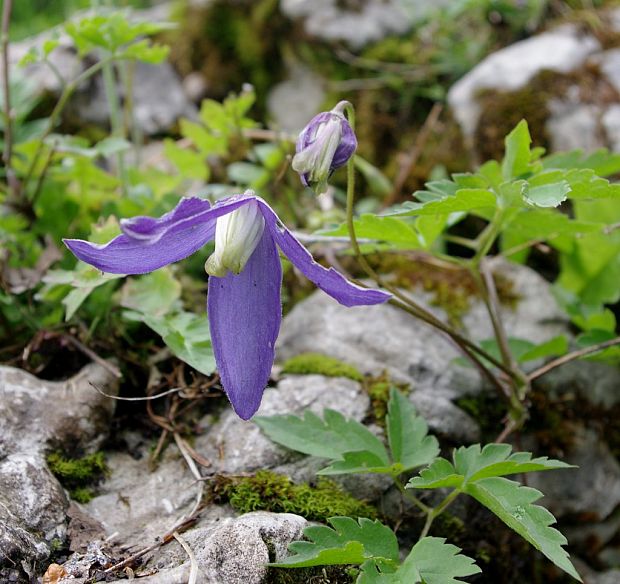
{"x":328,"y":280}
{"x":150,"y":243}
{"x":346,"y":148}
{"x":244,"y":318}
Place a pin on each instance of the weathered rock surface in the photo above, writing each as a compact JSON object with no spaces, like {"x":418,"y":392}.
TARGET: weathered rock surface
{"x":36,"y":416}
{"x":562,"y":49}
{"x":593,"y":489}
{"x":357,"y":25}
{"x":378,"y":338}
{"x":579,"y":112}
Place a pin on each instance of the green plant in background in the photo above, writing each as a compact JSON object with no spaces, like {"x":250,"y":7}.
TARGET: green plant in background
{"x":59,"y":185}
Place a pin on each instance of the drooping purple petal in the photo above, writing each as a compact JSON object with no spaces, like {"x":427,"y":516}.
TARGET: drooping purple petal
{"x":328,"y":280}
{"x":346,"y":148}
{"x":148,"y":243}
{"x":244,"y":317}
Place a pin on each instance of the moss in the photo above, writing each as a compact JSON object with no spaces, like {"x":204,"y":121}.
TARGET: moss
{"x":309,"y":363}
{"x":318,"y":575}
{"x":378,"y":389}
{"x":78,"y":475}
{"x":269,"y":491}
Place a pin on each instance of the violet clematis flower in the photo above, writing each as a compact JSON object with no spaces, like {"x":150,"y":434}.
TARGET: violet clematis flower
{"x":244,"y":284}
{"x":324,"y":145}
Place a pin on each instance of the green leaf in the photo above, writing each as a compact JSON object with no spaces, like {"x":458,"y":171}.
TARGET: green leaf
{"x":330,"y":437}
{"x":111,"y":145}
{"x":437,"y":562}
{"x":186,"y":334}
{"x":362,"y":461}
{"x":395,"y":232}
{"x":431,"y":561}
{"x":473,"y":463}
{"x":549,"y":195}
{"x":551,"y":348}
{"x":463,"y":200}
{"x":517,"y":157}
{"x":154,"y":294}
{"x":410,"y":444}
{"x":349,"y":542}
{"x":189,"y":163}
{"x":513,"y":504}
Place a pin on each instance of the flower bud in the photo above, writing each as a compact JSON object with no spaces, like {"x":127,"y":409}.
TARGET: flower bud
{"x":236,"y":236}
{"x":324,"y":145}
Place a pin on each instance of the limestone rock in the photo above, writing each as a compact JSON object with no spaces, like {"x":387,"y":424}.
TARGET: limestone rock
{"x":593,"y":488}
{"x":36,"y":416}
{"x":562,"y":49}
{"x":369,"y":21}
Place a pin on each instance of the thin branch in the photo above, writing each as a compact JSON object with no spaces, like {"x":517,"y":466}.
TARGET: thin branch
{"x":571,"y":357}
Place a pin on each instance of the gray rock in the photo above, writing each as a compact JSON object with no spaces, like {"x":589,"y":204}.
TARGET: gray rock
{"x":234,"y":446}
{"x":372,"y":338}
{"x":370,"y":21}
{"x":154,"y":111}
{"x":293,"y":102}
{"x":562,"y":49}
{"x":573,"y":126}
{"x":593,"y":489}
{"x":35,"y":416}
{"x":233,"y":551}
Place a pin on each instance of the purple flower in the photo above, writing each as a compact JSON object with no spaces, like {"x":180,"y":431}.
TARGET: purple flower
{"x":324,"y":145}
{"x":244,"y":284}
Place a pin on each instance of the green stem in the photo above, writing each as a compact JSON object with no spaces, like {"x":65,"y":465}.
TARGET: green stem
{"x":116,"y":120}
{"x":401,"y":300}
{"x":408,"y":495}
{"x":437,"y":511}
{"x":66,"y":94}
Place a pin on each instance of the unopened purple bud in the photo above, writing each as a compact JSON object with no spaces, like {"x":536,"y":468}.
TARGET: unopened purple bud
{"x":324,"y":145}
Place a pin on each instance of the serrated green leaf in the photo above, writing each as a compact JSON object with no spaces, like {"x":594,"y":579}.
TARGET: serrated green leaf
{"x":362,"y":461}
{"x":473,"y":463}
{"x":438,"y":562}
{"x":495,"y":460}
{"x":463,"y":200}
{"x":349,"y":542}
{"x":330,"y":437}
{"x":395,"y":232}
{"x":186,"y":334}
{"x":517,"y":157}
{"x":551,"y":348}
{"x":189,"y":163}
{"x":431,"y":561}
{"x":513,"y":504}
{"x":410,"y":444}
{"x":548,"y":195}
{"x":441,"y":473}
{"x":155,"y":293}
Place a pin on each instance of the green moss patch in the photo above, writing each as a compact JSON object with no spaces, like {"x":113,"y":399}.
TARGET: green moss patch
{"x":309,"y":363}
{"x":269,"y":491}
{"x":378,"y":390}
{"x":78,"y":475}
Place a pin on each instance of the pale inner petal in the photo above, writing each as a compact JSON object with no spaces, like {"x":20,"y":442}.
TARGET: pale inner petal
{"x":236,"y":236}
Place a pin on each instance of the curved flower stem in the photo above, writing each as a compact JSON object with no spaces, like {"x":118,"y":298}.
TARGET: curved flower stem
{"x":435,"y":512}
{"x":401,"y":300}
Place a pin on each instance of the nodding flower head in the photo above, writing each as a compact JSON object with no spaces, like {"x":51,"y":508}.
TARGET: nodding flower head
{"x":324,"y":145}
